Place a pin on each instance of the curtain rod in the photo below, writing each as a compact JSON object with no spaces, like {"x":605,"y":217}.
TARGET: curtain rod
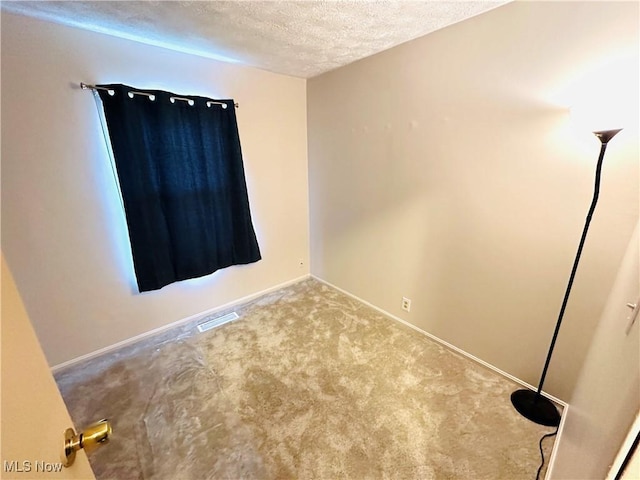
{"x":86,"y":86}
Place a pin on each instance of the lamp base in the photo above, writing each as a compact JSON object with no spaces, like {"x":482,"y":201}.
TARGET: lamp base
{"x":535,"y":407}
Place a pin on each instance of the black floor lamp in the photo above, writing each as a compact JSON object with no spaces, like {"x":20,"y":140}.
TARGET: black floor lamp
{"x":528,"y":403}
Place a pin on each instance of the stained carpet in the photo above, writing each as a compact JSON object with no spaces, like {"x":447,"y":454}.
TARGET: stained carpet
{"x":308,"y":383}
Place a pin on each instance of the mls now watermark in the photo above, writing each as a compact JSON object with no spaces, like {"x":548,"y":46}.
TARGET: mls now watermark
{"x":27,"y":466}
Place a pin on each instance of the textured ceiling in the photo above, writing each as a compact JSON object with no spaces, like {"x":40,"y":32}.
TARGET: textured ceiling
{"x":298,"y":38}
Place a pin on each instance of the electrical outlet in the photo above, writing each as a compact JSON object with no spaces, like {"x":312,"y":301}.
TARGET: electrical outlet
{"x":406,"y":304}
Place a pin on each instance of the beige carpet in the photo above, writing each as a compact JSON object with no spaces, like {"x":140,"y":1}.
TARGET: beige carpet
{"x":308,"y":383}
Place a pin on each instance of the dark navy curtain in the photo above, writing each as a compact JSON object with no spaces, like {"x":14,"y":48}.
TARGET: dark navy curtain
{"x":182,"y":181}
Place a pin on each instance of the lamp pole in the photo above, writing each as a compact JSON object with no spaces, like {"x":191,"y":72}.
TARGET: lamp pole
{"x":528,"y":403}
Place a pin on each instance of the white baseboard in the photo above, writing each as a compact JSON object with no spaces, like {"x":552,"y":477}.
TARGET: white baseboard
{"x":556,"y":445}
{"x":253,"y":296}
{"x":444,"y":343}
{"x":565,"y":405}
{"x":129,"y":341}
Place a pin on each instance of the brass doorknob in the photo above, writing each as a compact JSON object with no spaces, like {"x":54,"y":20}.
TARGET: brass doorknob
{"x":91,"y":438}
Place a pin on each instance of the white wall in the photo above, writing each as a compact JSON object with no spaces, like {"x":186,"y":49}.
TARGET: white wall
{"x":447,"y":170}
{"x":63,"y":230}
{"x":607,"y":395}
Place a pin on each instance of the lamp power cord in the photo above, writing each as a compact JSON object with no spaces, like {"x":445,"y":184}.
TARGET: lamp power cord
{"x":552,"y":434}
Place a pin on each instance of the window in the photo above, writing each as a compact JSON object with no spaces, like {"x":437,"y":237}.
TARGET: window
{"x":179,"y":165}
